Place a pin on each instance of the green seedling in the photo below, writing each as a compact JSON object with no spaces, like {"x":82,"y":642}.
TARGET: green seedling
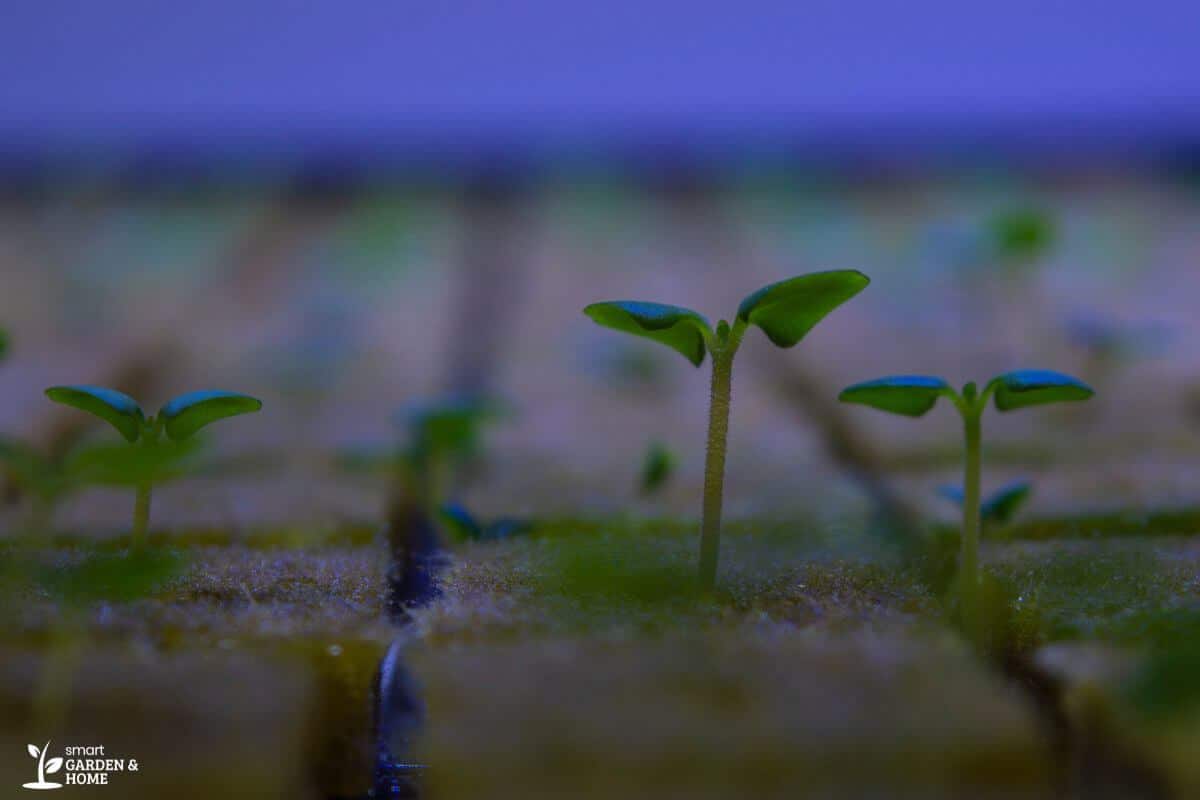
{"x":464,"y":526}
{"x":148,"y":459}
{"x":657,"y":468}
{"x":785,"y":311}
{"x":999,"y":507}
{"x":4,"y":344}
{"x":915,"y":395}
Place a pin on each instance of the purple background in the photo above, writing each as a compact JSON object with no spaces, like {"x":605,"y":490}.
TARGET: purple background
{"x":407,"y":79}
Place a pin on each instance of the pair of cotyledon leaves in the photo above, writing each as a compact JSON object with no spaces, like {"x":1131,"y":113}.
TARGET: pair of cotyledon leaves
{"x":181,"y":417}
{"x":914,"y":395}
{"x":786,"y":312}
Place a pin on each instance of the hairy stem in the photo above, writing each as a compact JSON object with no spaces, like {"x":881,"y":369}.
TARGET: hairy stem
{"x":141,"y":514}
{"x":969,"y":563}
{"x":714,"y":465}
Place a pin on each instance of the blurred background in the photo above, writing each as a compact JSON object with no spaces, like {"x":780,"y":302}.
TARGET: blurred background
{"x":361,"y":211}
{"x":343,"y":209}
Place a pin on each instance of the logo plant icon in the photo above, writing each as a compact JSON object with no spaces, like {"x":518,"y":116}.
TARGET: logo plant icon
{"x":44,"y":768}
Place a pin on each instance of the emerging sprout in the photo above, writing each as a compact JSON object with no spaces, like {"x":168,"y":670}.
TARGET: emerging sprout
{"x":786,"y":312}
{"x":1106,"y":338}
{"x":3,"y":344}
{"x":999,"y":507}
{"x":914,"y":395}
{"x":657,"y":468}
{"x":180,"y":418}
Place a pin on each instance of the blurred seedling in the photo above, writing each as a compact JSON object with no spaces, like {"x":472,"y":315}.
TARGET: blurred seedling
{"x":1109,"y":344}
{"x":1018,"y":237}
{"x":464,"y":526}
{"x":1108,"y":339}
{"x":915,"y":395}
{"x":658,"y":466}
{"x":786,"y":312}
{"x":630,"y":366}
{"x":999,"y":507}
{"x":443,"y":438}
{"x":1010,"y":241}
{"x":147,"y":459}
{"x":45,"y":480}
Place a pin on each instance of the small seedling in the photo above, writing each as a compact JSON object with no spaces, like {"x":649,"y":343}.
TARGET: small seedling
{"x":179,"y":419}
{"x":786,"y":312}
{"x":442,"y":437}
{"x":464,"y":526}
{"x":657,"y":468}
{"x":999,"y":507}
{"x":915,"y":395}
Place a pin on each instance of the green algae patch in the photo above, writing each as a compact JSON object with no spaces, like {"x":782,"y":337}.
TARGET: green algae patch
{"x":271,"y":537}
{"x":597,"y":576}
{"x":1112,"y":524}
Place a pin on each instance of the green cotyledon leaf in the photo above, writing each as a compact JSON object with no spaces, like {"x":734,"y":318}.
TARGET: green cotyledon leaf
{"x":657,"y":467}
{"x":910,"y":395}
{"x":681,"y":329}
{"x":184,"y":415}
{"x":788,"y":310}
{"x":116,"y":408}
{"x":1032,"y":387}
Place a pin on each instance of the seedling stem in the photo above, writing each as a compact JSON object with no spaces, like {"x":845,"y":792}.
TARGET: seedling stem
{"x":723,"y":351}
{"x":971,"y":406}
